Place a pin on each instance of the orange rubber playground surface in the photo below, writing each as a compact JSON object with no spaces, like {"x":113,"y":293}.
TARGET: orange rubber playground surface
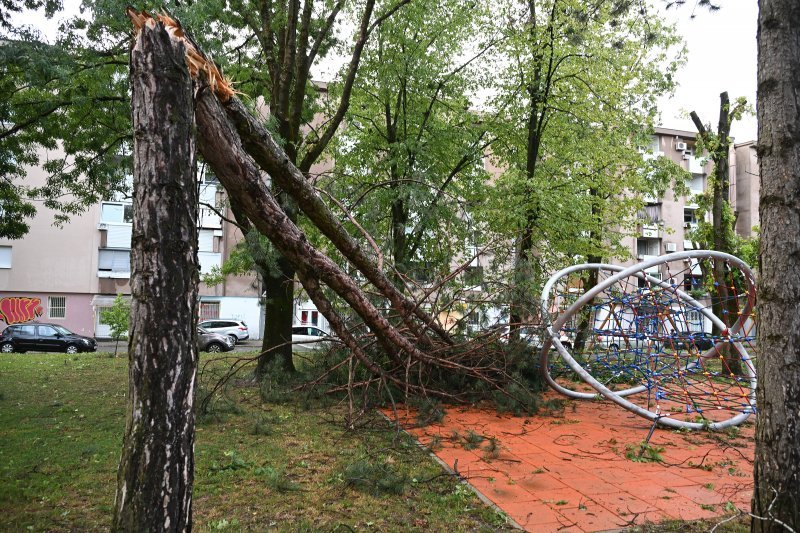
{"x":581,"y":469}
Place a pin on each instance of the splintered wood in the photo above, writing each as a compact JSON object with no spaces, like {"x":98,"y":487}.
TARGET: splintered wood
{"x":195,"y":59}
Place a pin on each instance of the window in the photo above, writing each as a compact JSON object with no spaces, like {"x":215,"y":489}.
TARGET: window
{"x":209,"y":310}
{"x":648,"y":247}
{"x":309,"y":317}
{"x":57,"y":306}
{"x":26,"y":330}
{"x":5,"y":257}
{"x":47,"y":331}
{"x":473,"y":276}
{"x":475,"y":319}
{"x":116,"y":212}
{"x":114,"y":261}
{"x":689,"y":218}
{"x":696,"y":185}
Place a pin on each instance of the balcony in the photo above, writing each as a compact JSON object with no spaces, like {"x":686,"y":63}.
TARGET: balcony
{"x":207,"y":218}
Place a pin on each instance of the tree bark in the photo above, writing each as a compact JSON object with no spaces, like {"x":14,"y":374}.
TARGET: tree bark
{"x":776,"y":494}
{"x":259,"y":144}
{"x":156,"y":471}
{"x":723,"y":305}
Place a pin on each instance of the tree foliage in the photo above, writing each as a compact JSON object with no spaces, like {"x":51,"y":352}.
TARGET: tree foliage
{"x":117,"y":318}
{"x":410,"y":160}
{"x":577,"y":103}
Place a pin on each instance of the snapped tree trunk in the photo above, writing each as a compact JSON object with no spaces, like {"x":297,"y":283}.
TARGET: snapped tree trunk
{"x":723,"y":303}
{"x":776,"y":494}
{"x":156,"y":471}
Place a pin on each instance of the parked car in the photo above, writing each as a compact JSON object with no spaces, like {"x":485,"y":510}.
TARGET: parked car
{"x":235,"y":329}
{"x":531,"y":336}
{"x":36,"y":337}
{"x":208,"y":341}
{"x":696,"y":340}
{"x":626,"y":341}
{"x":306,"y":338}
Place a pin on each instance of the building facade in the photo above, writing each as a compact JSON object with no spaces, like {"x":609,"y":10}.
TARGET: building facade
{"x":70,"y":275}
{"x":665,"y":223}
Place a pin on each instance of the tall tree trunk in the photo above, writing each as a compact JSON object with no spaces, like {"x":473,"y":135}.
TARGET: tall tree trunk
{"x":156,"y":471}
{"x":776,"y":496}
{"x":279,"y":314}
{"x":722,"y":303}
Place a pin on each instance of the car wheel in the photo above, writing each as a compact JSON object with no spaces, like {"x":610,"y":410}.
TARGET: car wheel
{"x":7,"y":347}
{"x":613,"y":347}
{"x":214,"y":347}
{"x":72,"y":349}
{"x":234,"y":338}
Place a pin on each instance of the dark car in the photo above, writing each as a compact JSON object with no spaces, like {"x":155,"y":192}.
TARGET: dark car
{"x":208,"y":341}
{"x":37,"y":337}
{"x":694,"y":340}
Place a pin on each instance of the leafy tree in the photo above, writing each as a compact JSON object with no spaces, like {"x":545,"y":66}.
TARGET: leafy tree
{"x":279,"y":45}
{"x":117,"y":317}
{"x":70,"y":99}
{"x":73,"y":95}
{"x":410,"y":159}
{"x":578,"y":101}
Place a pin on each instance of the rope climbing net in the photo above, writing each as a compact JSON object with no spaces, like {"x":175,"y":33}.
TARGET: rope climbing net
{"x":659,"y":338}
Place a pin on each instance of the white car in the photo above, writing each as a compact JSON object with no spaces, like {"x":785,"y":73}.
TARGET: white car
{"x":532,"y":338}
{"x":626,"y":341}
{"x":306,"y":338}
{"x":233,"y":328}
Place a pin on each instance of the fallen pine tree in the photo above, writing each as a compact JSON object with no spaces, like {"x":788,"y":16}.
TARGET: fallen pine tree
{"x":415,"y":350}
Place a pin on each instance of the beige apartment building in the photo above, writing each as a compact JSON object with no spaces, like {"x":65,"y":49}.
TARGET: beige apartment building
{"x":71,"y":274}
{"x":665,"y":223}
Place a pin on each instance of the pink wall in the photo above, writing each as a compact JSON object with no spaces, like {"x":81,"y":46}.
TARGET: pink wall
{"x":79,"y":313}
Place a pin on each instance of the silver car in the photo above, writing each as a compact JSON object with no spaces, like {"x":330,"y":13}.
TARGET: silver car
{"x":208,"y":341}
{"x":233,"y":328}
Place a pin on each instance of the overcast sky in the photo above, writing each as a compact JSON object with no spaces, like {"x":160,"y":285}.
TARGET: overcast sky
{"x":722,"y":57}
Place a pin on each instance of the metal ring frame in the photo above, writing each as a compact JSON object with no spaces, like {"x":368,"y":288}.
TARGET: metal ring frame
{"x":731,"y":333}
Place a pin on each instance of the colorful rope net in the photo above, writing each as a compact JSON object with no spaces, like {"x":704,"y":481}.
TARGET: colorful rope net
{"x":658,"y":338}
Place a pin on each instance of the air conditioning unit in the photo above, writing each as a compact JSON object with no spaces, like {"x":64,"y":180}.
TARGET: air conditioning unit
{"x":670,"y":246}
{"x":102,"y":226}
{"x":680,"y":146}
{"x":687,"y":155}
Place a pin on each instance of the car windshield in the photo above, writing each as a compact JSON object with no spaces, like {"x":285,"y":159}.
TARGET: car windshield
{"x":62,"y":330}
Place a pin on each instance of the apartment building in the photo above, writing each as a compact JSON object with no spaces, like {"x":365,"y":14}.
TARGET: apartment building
{"x":665,"y":223}
{"x":70,"y":275}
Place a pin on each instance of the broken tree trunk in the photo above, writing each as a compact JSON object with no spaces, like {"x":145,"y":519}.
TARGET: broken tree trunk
{"x":258,"y":142}
{"x":222,"y":149}
{"x":724,"y":304}
{"x":413,"y":354}
{"x":156,"y":471}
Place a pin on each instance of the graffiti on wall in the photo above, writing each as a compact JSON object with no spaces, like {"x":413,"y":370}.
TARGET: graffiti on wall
{"x":14,"y":310}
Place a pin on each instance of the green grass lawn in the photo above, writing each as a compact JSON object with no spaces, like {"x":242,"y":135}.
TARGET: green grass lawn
{"x":260,"y":465}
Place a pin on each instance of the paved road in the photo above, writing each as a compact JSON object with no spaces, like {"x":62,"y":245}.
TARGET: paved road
{"x":108,"y":346}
